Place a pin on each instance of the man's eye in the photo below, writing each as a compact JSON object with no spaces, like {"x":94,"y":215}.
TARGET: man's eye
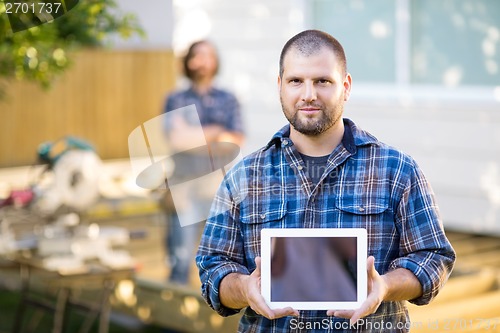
{"x":323,"y":82}
{"x":295,"y":81}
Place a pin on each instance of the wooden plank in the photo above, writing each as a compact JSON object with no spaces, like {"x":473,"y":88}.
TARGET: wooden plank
{"x":457,"y":236}
{"x":481,"y":260}
{"x":446,"y":316}
{"x":475,"y":245}
{"x":175,"y":307}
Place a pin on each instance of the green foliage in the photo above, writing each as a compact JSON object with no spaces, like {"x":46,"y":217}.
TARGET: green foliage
{"x":43,"y":52}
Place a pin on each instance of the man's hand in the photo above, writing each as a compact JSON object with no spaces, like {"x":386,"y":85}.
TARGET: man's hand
{"x":257,"y":302}
{"x":397,"y":285}
{"x":212,"y":132}
{"x":238,"y":291}
{"x":377,"y":292}
{"x":217,"y":133}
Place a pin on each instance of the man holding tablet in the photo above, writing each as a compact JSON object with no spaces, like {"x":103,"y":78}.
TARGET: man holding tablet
{"x":322,"y":172}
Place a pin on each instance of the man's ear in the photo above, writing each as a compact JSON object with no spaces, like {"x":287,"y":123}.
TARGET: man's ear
{"x":347,"y":86}
{"x":279,"y":83}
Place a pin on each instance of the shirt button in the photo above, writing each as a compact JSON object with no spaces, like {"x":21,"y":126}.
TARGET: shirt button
{"x":300,"y":167}
{"x":361,"y":209}
{"x":262,"y":216}
{"x":285,"y":142}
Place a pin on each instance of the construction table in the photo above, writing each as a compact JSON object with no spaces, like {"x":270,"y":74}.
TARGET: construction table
{"x":51,"y":291}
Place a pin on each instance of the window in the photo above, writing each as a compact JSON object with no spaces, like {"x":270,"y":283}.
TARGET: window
{"x":446,"y":42}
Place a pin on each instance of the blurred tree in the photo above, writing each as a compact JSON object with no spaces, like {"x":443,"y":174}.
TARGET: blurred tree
{"x":43,"y":52}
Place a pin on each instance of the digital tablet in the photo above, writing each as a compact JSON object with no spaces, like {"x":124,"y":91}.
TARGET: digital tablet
{"x":314,"y":269}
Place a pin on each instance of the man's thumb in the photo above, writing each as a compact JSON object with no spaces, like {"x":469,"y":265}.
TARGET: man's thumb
{"x":257,"y":266}
{"x":370,"y":266}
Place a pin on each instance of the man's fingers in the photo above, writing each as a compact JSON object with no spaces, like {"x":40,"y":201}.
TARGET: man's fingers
{"x":372,"y":302}
{"x":370,"y":267}
{"x":352,"y":315}
{"x":278,"y":313}
{"x":257,"y":268}
{"x":346,"y":314}
{"x":359,"y":313}
{"x":260,"y":306}
{"x":367,"y":308}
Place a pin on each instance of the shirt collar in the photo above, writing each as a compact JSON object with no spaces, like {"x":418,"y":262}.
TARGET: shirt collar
{"x":353,"y":137}
{"x":278,"y":137}
{"x":210,"y":91}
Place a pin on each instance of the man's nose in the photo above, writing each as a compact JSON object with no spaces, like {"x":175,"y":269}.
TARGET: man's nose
{"x":309,"y":93}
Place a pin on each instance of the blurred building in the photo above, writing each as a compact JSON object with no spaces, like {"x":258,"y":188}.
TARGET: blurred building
{"x":426,"y":78}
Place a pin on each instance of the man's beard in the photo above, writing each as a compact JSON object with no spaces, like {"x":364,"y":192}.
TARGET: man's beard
{"x":314,"y":126}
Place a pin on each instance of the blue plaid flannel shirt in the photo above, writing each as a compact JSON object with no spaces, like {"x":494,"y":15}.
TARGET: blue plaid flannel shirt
{"x":366,"y":184}
{"x":216,"y":107}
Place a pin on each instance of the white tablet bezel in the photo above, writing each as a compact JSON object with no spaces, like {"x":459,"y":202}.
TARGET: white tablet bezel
{"x":358,"y":233}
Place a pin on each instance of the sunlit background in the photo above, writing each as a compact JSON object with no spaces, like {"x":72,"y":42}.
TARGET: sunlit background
{"x":426,"y":79}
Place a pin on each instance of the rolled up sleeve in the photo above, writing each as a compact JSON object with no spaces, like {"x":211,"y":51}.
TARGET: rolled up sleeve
{"x":221,"y":250}
{"x":212,"y":271}
{"x":424,"y":248}
{"x":432,"y":271}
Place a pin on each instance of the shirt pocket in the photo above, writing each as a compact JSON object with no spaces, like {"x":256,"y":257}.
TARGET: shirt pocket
{"x":257,"y":217}
{"x":266,"y":215}
{"x":362,"y":206}
{"x":364,"y":211}
{"x":376,"y":215}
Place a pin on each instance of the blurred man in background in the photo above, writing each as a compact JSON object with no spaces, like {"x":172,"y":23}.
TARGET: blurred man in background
{"x":221,"y":120}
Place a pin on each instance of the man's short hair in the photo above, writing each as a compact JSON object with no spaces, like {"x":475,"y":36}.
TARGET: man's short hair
{"x":309,"y":42}
{"x":191,"y":53}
